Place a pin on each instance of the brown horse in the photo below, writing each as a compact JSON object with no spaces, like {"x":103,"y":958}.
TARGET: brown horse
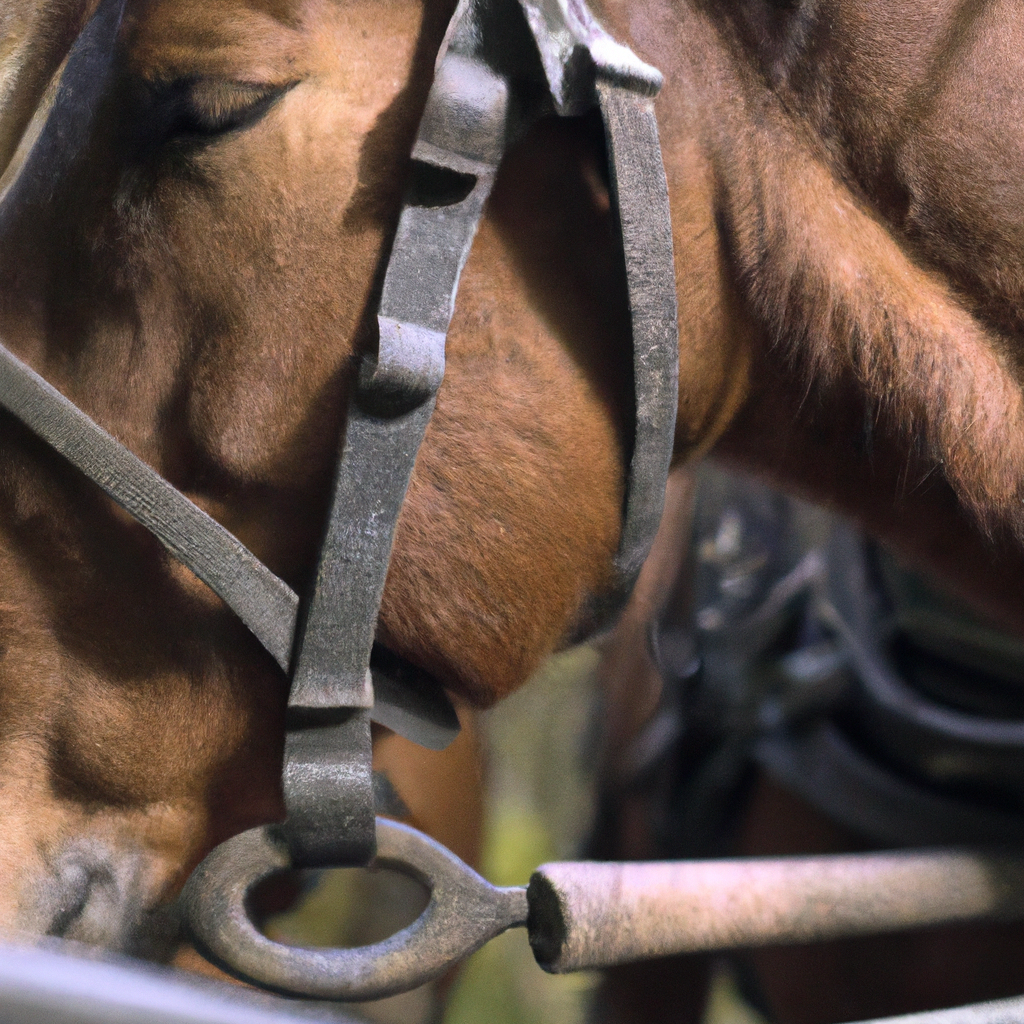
{"x":190,"y":252}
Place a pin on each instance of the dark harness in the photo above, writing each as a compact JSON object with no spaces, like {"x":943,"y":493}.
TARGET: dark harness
{"x":811,"y":652}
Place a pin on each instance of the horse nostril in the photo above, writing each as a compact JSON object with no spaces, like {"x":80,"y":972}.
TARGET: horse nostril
{"x":74,"y":886}
{"x":96,"y":893}
{"x":79,"y":878}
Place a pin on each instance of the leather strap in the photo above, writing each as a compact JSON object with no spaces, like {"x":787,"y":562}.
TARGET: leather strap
{"x":262,"y":600}
{"x":641,"y":196}
{"x":460,"y":144}
{"x":583,"y":67}
{"x":328,"y":782}
{"x":265,"y":603}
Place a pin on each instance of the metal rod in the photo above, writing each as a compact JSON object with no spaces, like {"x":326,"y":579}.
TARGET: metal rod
{"x":1000,"y":1011}
{"x":590,"y":915}
{"x":52,"y":986}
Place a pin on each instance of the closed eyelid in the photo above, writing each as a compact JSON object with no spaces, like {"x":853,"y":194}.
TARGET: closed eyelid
{"x":206,"y":106}
{"x":216,"y":105}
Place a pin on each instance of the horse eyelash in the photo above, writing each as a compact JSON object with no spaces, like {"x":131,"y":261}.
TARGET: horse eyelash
{"x":208,"y":107}
{"x":223,"y":106}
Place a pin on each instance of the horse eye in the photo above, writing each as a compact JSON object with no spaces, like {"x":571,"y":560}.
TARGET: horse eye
{"x":207,"y":106}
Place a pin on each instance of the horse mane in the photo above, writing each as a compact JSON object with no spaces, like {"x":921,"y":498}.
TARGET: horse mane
{"x":838,"y":292}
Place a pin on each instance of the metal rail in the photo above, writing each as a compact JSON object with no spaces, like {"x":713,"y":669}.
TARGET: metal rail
{"x":579,"y":916}
{"x":52,"y":986}
{"x":585,"y":915}
{"x":591,"y":915}
{"x":1000,"y":1011}
{"x":60,"y":983}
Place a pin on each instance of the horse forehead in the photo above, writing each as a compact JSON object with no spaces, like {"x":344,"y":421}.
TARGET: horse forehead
{"x":250,"y":40}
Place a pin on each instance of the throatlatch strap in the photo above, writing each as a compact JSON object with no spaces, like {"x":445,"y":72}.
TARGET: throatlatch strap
{"x":624,"y":87}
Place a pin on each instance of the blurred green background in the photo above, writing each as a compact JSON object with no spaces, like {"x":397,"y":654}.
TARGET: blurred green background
{"x":540,"y":800}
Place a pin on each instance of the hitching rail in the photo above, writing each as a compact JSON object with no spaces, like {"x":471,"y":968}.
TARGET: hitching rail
{"x":586,"y":915}
{"x":47,"y":986}
{"x":1000,"y":1011}
{"x":579,"y":915}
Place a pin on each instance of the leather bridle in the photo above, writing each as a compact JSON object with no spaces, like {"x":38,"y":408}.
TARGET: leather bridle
{"x":503,"y":64}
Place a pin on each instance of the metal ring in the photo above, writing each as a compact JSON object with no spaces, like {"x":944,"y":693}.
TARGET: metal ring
{"x":464,"y":912}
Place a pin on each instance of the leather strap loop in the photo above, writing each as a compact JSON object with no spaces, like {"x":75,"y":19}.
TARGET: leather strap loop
{"x":641,"y":195}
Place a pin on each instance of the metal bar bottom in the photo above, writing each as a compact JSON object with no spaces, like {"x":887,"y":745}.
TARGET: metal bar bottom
{"x":62,"y":983}
{"x":999,"y":1011}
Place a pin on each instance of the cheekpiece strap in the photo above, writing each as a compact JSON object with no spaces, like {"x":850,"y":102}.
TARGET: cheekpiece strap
{"x":641,"y":194}
{"x":327,"y":777}
{"x":466,"y":123}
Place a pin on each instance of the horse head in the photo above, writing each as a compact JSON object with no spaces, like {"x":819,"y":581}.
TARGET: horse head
{"x":191,"y":251}
{"x":209,"y":200}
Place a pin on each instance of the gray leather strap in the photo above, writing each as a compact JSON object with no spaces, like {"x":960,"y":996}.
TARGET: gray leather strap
{"x":327,"y":779}
{"x":641,"y":195}
{"x":396,"y":389}
{"x":624,"y":87}
{"x":263,"y":601}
